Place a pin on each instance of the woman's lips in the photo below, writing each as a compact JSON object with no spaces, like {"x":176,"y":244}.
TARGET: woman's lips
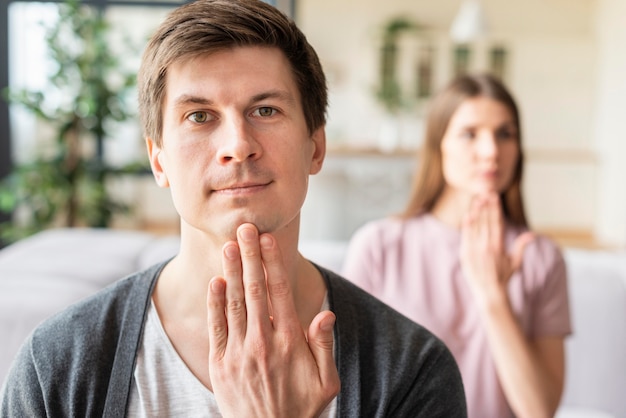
{"x":488,"y":174}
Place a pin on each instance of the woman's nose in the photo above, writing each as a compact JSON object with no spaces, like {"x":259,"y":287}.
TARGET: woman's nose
{"x":487,"y":145}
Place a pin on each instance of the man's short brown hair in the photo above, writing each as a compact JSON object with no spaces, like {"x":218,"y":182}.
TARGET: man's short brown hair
{"x":207,"y":26}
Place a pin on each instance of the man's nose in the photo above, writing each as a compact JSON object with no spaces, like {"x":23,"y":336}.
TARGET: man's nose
{"x":237,"y":142}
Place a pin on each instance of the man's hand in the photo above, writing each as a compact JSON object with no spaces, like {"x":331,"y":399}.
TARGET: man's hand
{"x":260,"y":361}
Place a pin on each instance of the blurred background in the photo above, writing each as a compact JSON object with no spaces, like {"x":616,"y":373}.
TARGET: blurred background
{"x":563,"y":60}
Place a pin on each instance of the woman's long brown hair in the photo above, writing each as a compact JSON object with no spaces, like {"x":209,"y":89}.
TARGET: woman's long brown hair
{"x":429,"y":181}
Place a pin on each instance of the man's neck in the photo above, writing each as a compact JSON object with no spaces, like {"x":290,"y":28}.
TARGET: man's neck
{"x":180,"y":297}
{"x":181,"y":290}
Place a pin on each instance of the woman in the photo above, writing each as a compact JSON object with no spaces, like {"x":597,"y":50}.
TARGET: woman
{"x":462,"y":262}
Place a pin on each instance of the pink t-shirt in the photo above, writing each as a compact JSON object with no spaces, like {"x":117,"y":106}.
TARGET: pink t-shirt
{"x":414,"y":266}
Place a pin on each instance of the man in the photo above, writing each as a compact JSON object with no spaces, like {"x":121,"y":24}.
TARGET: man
{"x":238,"y":323}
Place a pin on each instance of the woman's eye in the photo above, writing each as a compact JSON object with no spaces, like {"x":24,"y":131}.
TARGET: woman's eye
{"x":504,"y":134}
{"x":265,"y":111}
{"x":467,"y":135}
{"x":198,"y":117}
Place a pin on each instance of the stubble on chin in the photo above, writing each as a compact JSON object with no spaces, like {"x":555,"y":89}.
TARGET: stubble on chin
{"x":228,"y":229}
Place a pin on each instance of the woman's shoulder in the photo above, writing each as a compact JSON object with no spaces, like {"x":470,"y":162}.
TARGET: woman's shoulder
{"x":542,"y":254}
{"x":540,"y":244}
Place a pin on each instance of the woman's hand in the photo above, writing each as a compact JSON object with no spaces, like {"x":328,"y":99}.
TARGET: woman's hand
{"x":530,"y":370}
{"x":484,"y":259}
{"x":261,"y":363}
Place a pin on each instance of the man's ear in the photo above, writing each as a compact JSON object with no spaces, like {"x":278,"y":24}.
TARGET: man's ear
{"x":319,"y":151}
{"x":154,"y":154}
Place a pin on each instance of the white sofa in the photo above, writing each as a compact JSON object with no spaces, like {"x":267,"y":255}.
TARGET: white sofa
{"x":44,"y":273}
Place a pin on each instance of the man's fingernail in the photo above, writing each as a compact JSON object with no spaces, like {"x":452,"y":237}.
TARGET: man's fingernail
{"x":217,"y":286}
{"x":231,"y":252}
{"x":247,"y":234}
{"x":327,"y":323}
{"x":266,"y":241}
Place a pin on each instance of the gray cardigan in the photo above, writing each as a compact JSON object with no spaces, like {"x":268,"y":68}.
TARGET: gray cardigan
{"x":80,"y":362}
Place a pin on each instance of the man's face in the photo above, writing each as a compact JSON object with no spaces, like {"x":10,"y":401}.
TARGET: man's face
{"x":236,"y":147}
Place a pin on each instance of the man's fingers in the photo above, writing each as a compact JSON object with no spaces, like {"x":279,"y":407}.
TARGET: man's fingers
{"x":254,"y":282}
{"x":235,"y":299}
{"x":321,"y":344}
{"x":280,"y":295}
{"x":216,"y":318}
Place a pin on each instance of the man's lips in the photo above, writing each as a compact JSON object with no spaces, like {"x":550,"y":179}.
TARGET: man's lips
{"x":241,"y":188}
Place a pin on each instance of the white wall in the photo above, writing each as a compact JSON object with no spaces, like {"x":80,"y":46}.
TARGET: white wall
{"x":610,"y":131}
{"x":564,"y":66}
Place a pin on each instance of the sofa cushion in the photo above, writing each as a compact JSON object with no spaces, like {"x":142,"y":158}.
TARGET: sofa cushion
{"x":98,"y":256}
{"x":596,"y":351}
{"x":326,"y":253}
{"x":158,"y":250}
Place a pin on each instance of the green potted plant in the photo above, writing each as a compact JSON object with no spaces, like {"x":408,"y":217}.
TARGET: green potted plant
{"x":389,"y":91}
{"x":65,"y":184}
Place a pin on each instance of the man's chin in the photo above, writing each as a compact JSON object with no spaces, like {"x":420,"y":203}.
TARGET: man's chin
{"x":263,"y":225}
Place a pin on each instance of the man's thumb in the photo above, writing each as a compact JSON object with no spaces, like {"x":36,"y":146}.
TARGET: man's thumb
{"x":321,"y":342}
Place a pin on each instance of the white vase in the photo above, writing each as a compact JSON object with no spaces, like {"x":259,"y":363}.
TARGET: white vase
{"x":389,"y":137}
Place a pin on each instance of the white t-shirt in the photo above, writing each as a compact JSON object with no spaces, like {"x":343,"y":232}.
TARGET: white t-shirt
{"x":179,"y":393}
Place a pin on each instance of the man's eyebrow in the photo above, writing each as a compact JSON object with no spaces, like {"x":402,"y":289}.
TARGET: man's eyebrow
{"x":186,"y":99}
{"x":274,"y":94}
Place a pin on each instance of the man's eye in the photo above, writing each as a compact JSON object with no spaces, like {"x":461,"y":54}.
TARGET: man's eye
{"x":265,"y":111}
{"x":198,"y":117}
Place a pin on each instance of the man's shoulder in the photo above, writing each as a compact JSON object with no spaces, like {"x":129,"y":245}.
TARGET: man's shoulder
{"x":73,"y":356}
{"x":389,"y":362}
